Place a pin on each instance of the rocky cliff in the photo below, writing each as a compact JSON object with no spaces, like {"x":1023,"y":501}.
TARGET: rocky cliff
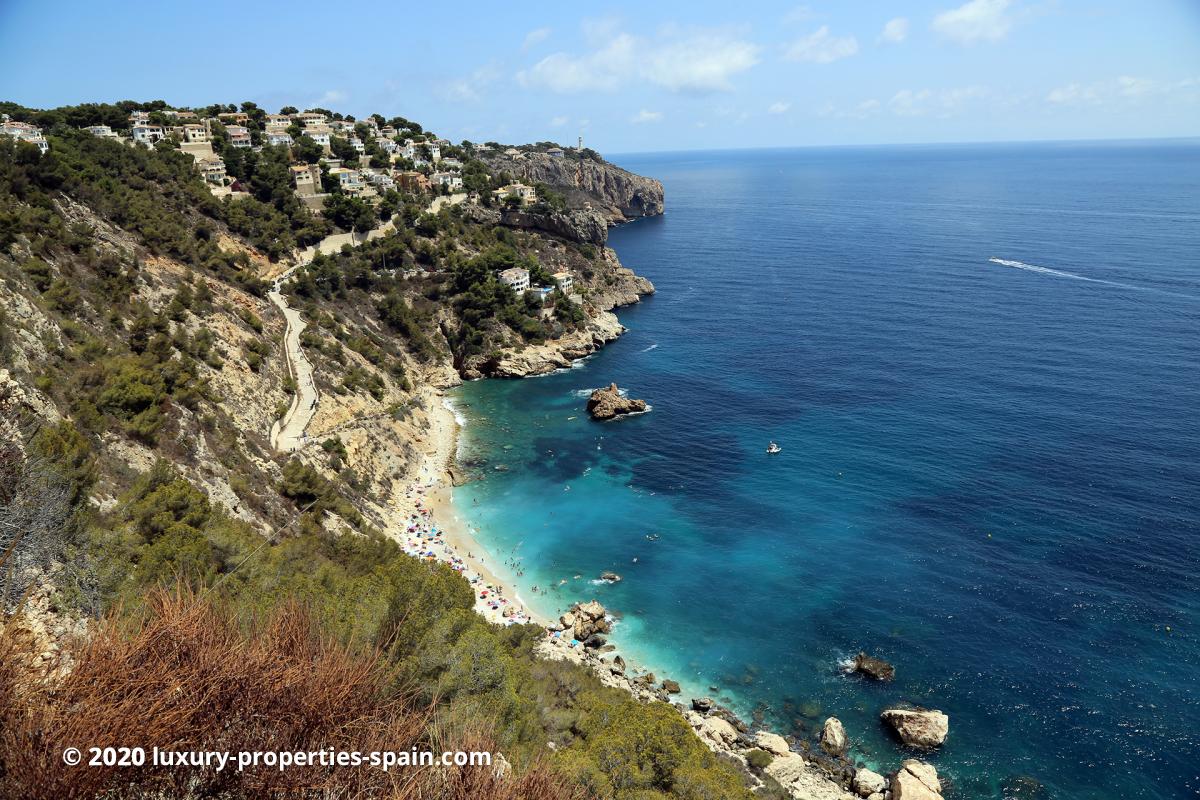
{"x":583,"y":226}
{"x":617,"y":193}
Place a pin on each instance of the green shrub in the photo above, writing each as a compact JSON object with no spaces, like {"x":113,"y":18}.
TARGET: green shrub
{"x":759,"y":759}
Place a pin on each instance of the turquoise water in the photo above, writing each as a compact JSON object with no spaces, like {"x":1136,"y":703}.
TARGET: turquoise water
{"x":990,"y":475}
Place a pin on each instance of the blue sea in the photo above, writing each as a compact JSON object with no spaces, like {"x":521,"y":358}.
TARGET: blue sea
{"x":990,"y":472}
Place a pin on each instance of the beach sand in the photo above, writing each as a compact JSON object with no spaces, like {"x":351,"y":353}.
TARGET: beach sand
{"x":431,"y":524}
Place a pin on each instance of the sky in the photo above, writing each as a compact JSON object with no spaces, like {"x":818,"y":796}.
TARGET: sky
{"x":636,"y":77}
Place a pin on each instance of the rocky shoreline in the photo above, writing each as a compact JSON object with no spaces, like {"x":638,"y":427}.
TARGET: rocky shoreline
{"x":818,"y":768}
{"x":807,"y":769}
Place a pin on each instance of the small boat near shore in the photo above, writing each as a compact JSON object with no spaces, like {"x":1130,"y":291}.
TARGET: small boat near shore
{"x":773,"y":448}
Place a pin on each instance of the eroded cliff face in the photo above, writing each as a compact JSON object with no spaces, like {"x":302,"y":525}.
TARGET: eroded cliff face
{"x":584,"y":226}
{"x":618,"y":194}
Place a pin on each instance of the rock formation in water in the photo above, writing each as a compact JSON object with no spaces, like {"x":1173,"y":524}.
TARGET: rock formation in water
{"x":608,"y":403}
{"x":586,"y":621}
{"x":873,"y":667}
{"x":868,"y":782}
{"x":918,"y":727}
{"x":916,"y":780}
{"x":833,"y":737}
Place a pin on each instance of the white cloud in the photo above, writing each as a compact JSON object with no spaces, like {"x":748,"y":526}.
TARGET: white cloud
{"x":332,"y":97}
{"x":558,"y":122}
{"x":1134,"y":87}
{"x":468,"y":89}
{"x":778,"y":107}
{"x":821,"y":48}
{"x":977,"y":20}
{"x":866,"y":108}
{"x":700,"y":63}
{"x":680,"y":62}
{"x":535,"y":36}
{"x":896,"y":30}
{"x":601,"y":70}
{"x":1125,"y":89}
{"x":863,"y":110}
{"x":940,"y":103}
{"x":644,"y":116}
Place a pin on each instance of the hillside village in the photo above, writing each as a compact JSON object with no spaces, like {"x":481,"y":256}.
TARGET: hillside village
{"x":364,"y":158}
{"x":355,"y":173}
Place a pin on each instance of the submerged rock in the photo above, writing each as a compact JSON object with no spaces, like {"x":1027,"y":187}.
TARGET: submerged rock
{"x":918,"y":727}
{"x":608,"y":403}
{"x":1022,"y":787}
{"x":833,"y":737}
{"x":872,"y":667}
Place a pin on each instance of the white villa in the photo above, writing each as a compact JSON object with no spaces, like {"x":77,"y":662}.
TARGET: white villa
{"x":238,"y":135}
{"x":148,"y":134}
{"x":451,"y":180}
{"x":516,"y":278}
{"x":526,"y":194}
{"x":213,"y":169}
{"x":349,"y":179}
{"x":564,"y":281}
{"x":24,"y":132}
{"x":195,"y":134}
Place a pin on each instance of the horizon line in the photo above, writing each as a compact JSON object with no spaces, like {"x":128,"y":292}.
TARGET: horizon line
{"x":956,"y":143}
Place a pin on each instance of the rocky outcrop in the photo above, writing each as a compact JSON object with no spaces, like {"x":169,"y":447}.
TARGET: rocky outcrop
{"x":916,"y":780}
{"x":616,"y":193}
{"x":804,"y":780}
{"x":872,"y":667}
{"x":586,"y":621}
{"x":577,"y":225}
{"x":773,"y":743}
{"x":867,"y":782}
{"x":718,"y":731}
{"x":545,"y":358}
{"x":918,"y":727}
{"x":610,"y":577}
{"x":609,"y":402}
{"x":833,"y":737}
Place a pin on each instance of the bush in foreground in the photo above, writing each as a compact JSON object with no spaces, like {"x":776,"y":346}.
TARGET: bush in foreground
{"x":187,"y":675}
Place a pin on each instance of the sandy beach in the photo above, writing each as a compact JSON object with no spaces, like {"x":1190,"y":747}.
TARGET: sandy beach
{"x":433,"y":529}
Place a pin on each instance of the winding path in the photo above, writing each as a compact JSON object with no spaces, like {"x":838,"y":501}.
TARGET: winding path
{"x":287,"y":434}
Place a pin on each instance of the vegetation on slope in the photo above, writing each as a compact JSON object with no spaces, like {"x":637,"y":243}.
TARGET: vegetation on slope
{"x":126,"y":285}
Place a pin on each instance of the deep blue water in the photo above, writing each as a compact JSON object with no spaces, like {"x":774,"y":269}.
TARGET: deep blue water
{"x":990,"y":476}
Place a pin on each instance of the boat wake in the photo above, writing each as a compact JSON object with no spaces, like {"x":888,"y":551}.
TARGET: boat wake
{"x":1058,"y":273}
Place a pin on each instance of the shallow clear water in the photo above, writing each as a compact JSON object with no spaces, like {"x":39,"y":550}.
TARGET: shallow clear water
{"x":990,"y":475}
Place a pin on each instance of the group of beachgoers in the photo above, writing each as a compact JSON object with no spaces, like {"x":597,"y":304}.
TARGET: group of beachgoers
{"x":425,"y":540}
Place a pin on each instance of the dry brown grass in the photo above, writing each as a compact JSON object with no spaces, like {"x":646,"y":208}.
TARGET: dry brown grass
{"x":186,"y":676}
